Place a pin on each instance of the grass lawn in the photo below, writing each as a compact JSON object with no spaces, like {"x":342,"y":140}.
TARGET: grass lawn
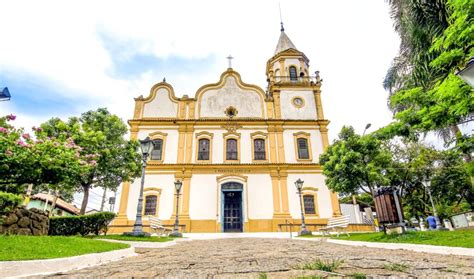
{"x":18,"y":247}
{"x":135,"y":238}
{"x":458,"y":238}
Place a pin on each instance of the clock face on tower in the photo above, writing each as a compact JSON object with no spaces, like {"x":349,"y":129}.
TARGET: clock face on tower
{"x":298,"y":102}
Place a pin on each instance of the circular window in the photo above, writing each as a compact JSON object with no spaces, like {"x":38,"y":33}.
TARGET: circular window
{"x":298,"y":102}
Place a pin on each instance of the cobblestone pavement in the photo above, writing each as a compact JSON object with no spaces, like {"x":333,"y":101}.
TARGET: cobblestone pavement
{"x":275,"y":258}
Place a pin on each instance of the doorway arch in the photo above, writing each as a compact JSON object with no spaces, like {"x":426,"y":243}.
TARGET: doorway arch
{"x":232,"y":217}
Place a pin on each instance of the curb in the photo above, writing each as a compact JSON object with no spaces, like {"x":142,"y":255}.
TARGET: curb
{"x":50,"y":266}
{"x":444,"y":250}
{"x":142,"y":244}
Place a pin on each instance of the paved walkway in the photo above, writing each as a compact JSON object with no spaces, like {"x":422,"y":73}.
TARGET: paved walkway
{"x":277,"y":258}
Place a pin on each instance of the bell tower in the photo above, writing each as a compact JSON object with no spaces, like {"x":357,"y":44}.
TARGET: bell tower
{"x":295,"y":93}
{"x":287,"y":63}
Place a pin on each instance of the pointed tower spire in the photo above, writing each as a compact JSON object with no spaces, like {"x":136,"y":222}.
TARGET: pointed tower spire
{"x":284,"y":42}
{"x":281,"y":19}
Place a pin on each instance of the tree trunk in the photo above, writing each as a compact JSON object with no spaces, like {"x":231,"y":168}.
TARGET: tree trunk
{"x":103,"y":199}
{"x":53,"y":205}
{"x":85,"y":199}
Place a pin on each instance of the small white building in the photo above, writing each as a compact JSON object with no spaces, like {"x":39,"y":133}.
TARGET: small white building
{"x":238,"y":150}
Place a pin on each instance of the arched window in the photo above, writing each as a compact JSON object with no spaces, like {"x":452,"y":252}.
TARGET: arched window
{"x":308,"y":201}
{"x":157,"y":152}
{"x":259,"y":149}
{"x":231,"y":147}
{"x":203,"y":152}
{"x":303,"y":152}
{"x":293,"y":73}
{"x":151,"y":204}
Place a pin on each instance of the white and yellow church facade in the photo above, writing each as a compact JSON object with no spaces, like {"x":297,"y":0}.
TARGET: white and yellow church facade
{"x":237,"y":149}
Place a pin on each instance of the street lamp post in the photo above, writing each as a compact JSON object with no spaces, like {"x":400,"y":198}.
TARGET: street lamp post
{"x":299,"y":186}
{"x":178,"y":184}
{"x":427,"y":184}
{"x":146,"y":146}
{"x":366,"y":127}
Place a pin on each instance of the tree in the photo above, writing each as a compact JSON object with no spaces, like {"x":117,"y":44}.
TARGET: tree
{"x":43,"y":161}
{"x":354,"y":163}
{"x":101,"y":138}
{"x":414,"y":162}
{"x":425,"y":94}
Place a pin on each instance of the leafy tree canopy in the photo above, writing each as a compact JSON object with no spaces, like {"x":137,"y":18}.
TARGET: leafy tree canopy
{"x":101,"y":138}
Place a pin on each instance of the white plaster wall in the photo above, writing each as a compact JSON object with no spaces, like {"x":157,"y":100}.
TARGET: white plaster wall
{"x":161,"y":106}
{"x":214,"y":102}
{"x":171,"y":144}
{"x":165,"y":182}
{"x":310,"y":180}
{"x":260,"y":197}
{"x":289,"y":111}
{"x":203,"y":197}
{"x":246,"y":146}
{"x":289,"y":142}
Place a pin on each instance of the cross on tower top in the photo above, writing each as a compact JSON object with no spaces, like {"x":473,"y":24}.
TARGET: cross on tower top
{"x":230,"y":60}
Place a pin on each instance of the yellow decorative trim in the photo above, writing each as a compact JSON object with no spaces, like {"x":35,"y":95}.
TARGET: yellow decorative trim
{"x":133,"y":132}
{"x":152,"y":189}
{"x":276,"y":100}
{"x":336,"y":209}
{"x":162,"y":136}
{"x":252,"y":225}
{"x":223,"y":177}
{"x":189,"y":143}
{"x":295,"y":105}
{"x":319,"y":105}
{"x":324,"y":136}
{"x":281,"y":144}
{"x":231,"y":135}
{"x":124,"y":199}
{"x":157,"y":135}
{"x":208,"y":136}
{"x":152,"y":96}
{"x":151,"y":193}
{"x":313,"y":193}
{"x":307,"y":136}
{"x":222,"y":82}
{"x":181,"y":141}
{"x":284,"y":192}
{"x":273,"y":145}
{"x":263,"y":136}
{"x":307,"y":188}
{"x":158,"y":86}
{"x":192,"y":109}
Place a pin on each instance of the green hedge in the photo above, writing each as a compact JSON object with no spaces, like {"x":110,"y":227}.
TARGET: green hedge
{"x":83,"y":225}
{"x":9,"y":201}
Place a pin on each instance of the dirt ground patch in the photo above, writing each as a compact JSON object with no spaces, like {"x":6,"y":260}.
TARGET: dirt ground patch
{"x":275,"y":258}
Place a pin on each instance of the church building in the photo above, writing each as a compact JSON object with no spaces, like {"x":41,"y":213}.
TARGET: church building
{"x":238,"y":150}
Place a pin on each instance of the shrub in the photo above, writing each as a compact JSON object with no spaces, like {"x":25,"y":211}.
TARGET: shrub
{"x":83,"y":225}
{"x":9,"y":201}
{"x":329,"y":266}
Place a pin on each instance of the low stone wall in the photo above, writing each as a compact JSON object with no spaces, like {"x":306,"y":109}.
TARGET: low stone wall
{"x":23,"y":221}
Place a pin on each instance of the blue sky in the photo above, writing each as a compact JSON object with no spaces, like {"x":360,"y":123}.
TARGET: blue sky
{"x":62,"y":58}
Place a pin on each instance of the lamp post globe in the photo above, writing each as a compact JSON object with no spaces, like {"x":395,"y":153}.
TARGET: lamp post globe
{"x":427,"y":184}
{"x":467,"y":74}
{"x":177,"y":184}
{"x":299,"y":186}
{"x":146,"y":147}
